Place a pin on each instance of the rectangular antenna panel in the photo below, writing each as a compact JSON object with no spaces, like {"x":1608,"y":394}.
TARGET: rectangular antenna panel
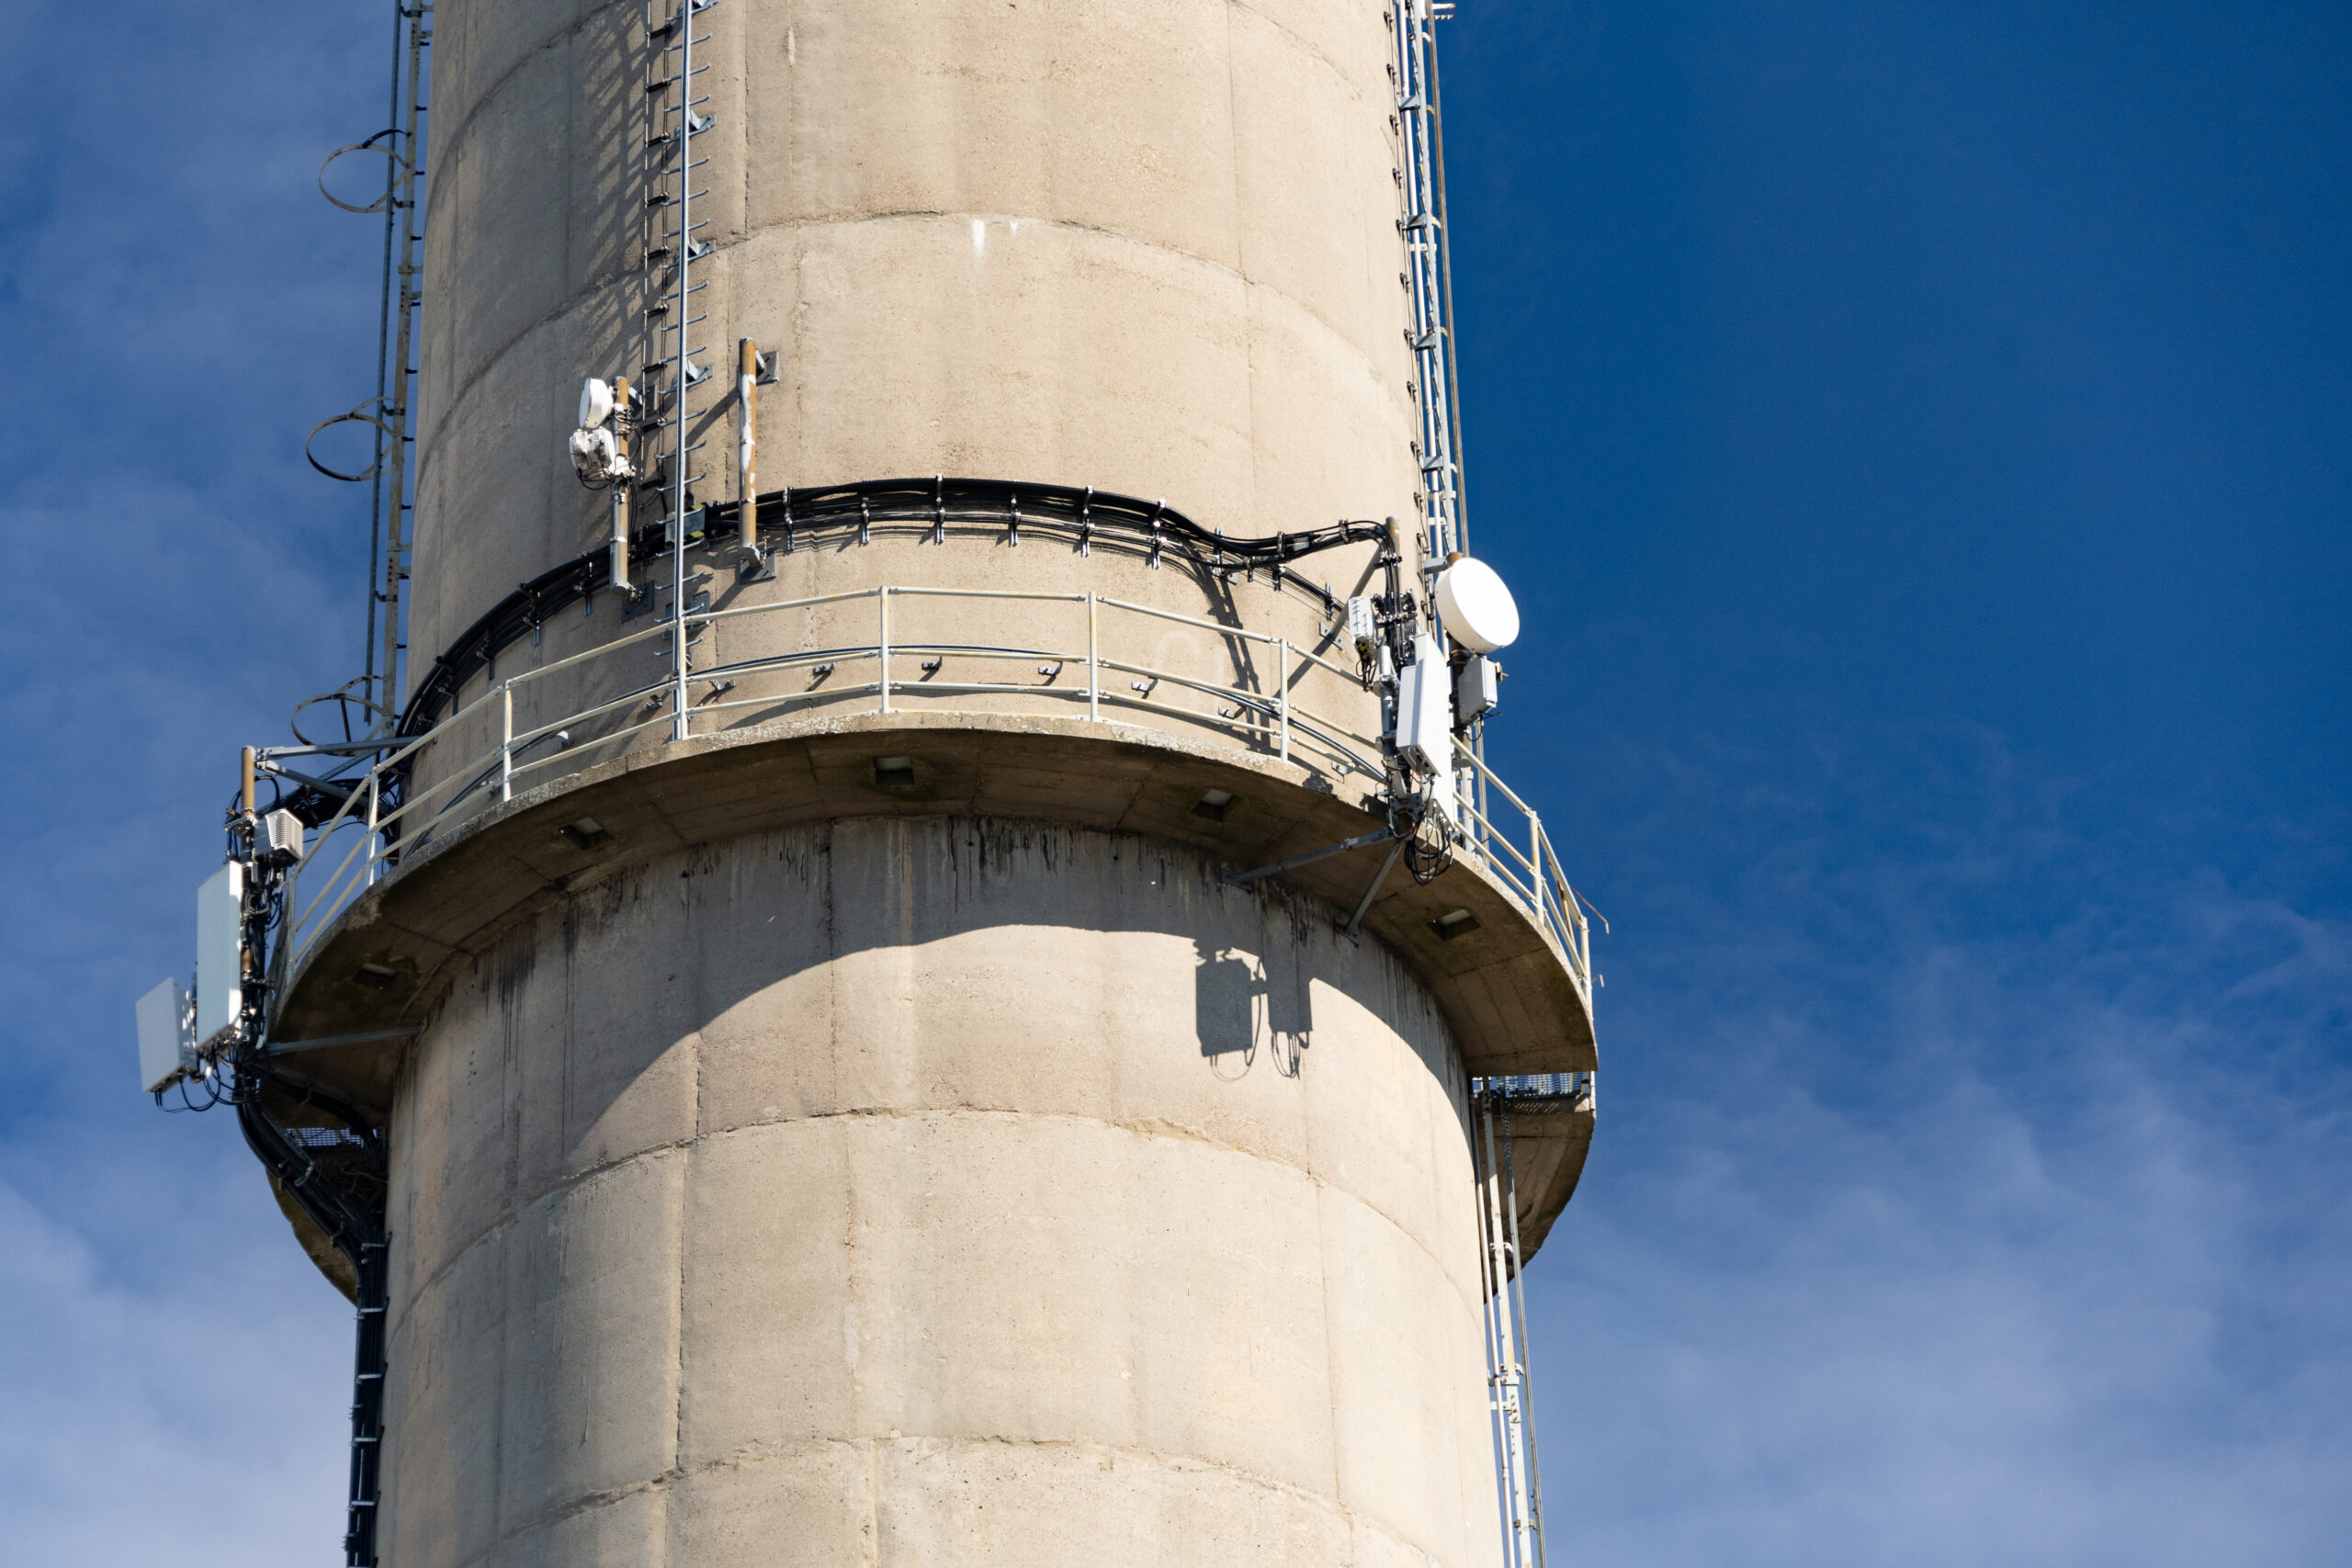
{"x":1476,"y":689}
{"x":1425,"y":717}
{"x":219,"y":954}
{"x":166,"y":1036}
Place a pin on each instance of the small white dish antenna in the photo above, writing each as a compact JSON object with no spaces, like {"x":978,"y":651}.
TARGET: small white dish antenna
{"x":595,"y":403}
{"x":595,"y":456}
{"x":1478,"y":609}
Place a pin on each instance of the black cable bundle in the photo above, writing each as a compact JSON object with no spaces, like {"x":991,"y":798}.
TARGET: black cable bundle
{"x":791,"y":517}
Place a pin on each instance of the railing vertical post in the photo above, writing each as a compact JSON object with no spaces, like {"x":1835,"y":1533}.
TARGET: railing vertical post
{"x":882,"y":598}
{"x":506,"y":742}
{"x":1282,"y":691}
{"x":1093,"y":658}
{"x":1536,"y":861}
{"x":375,"y":849}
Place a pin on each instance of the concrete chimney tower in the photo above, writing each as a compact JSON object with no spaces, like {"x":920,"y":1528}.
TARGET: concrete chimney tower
{"x":894,"y":1080}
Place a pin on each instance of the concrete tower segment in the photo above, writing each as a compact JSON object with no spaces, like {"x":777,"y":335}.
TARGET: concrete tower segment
{"x":885,"y":1134}
{"x":1147,"y":246}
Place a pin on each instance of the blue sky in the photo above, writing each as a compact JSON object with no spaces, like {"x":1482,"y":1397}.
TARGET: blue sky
{"x":1920,"y":436}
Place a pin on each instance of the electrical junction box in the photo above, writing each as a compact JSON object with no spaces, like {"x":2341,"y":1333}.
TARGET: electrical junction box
{"x":166,"y":1036}
{"x":1425,"y":716}
{"x":219,"y":954}
{"x":1476,"y":689}
{"x":1363,"y":630}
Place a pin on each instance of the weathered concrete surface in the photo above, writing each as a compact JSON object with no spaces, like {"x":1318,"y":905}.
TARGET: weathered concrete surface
{"x":1550,"y":1136}
{"x":961,"y":1168}
{"x":1509,"y":995}
{"x":807,"y":1169}
{"x":956,"y":1189}
{"x":1147,"y":246}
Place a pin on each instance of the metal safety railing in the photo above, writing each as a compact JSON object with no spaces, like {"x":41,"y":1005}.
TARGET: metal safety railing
{"x":387,"y":812}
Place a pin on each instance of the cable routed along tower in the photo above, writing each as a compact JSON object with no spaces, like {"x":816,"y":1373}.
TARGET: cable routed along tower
{"x":980,"y":1000}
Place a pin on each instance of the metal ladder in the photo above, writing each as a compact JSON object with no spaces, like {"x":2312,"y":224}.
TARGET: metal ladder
{"x":1429,"y":283}
{"x":1520,"y":1492}
{"x":391,"y":411}
{"x":671,"y":251}
{"x":1429,"y":274}
{"x":358,"y":1229}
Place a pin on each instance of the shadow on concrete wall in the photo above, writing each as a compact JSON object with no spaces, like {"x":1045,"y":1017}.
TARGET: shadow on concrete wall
{"x":569,"y":1027}
{"x":1241,"y":1005}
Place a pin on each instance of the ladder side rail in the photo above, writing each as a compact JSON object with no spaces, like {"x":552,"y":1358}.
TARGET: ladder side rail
{"x":383,"y":386}
{"x":679,"y":480}
{"x":1490,"y":1288}
{"x":395,"y":565}
{"x":1445,"y":301}
{"x":1508,"y":1408}
{"x":675,"y":34}
{"x":1514,"y":1381}
{"x":1535,"y":1479}
{"x":1423,"y":235}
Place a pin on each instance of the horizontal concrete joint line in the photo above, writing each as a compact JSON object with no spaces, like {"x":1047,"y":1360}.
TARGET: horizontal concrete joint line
{"x":1169,"y":1132}
{"x":752,"y":1457}
{"x":430,"y":442}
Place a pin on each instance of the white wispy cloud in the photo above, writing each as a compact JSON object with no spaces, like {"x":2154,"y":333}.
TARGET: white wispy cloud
{"x":1917,"y":1231}
{"x":188,"y":1415}
{"x":180,"y":308}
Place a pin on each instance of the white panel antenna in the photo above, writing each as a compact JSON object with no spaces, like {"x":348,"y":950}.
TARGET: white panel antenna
{"x":167,"y":1037}
{"x":219,"y":954}
{"x":1476,"y":690}
{"x":1425,"y":716}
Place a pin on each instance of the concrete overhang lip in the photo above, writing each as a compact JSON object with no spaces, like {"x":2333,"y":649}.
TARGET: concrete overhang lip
{"x":1507,"y":989}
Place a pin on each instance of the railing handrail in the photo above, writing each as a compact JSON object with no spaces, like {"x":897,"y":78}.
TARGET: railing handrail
{"x":1273,"y":718}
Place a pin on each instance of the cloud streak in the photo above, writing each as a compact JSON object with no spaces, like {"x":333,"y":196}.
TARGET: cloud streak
{"x":1911,"y":1235}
